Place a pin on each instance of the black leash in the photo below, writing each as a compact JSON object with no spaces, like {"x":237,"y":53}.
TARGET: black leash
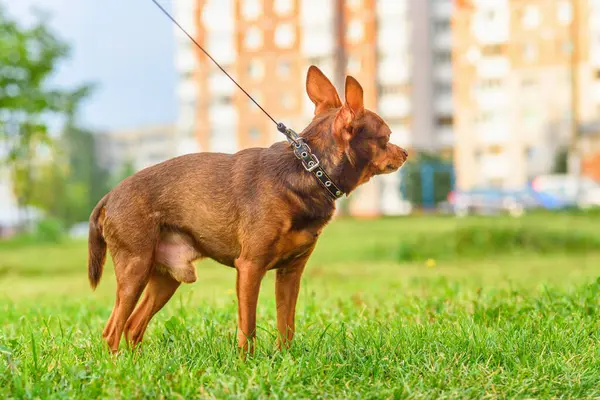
{"x":302,"y":151}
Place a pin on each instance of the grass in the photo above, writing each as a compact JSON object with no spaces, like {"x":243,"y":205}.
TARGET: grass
{"x":383,"y":313}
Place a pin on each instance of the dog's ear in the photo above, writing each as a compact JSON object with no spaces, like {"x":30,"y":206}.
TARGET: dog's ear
{"x":351,"y":110}
{"x":320,"y":91}
{"x":354,"y":96}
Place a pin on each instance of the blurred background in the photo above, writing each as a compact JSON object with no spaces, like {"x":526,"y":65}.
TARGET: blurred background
{"x":498,"y":101}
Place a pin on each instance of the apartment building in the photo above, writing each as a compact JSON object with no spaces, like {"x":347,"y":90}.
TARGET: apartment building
{"x":398,"y":49}
{"x":142,"y":147}
{"x":513,"y":85}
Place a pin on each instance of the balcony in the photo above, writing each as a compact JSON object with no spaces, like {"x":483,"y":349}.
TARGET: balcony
{"x":185,"y":59}
{"x":222,"y":115}
{"x":443,"y":104}
{"x":443,"y":72}
{"x":393,"y":106}
{"x":491,"y":99}
{"x":218,"y":15}
{"x":493,"y":134}
{"x":221,"y":45}
{"x":400,"y":135}
{"x":186,"y":90}
{"x":220,"y":85}
{"x":493,"y":67}
{"x":316,"y":12}
{"x":494,"y":166}
{"x":596,"y":90}
{"x":393,"y":70}
{"x":503,"y":4}
{"x":386,"y":8}
{"x":392,"y":37}
{"x":317,"y":42}
{"x":442,"y":9}
{"x":595,"y":55}
{"x":445,"y":137}
{"x":224,"y":139}
{"x":443,"y":40}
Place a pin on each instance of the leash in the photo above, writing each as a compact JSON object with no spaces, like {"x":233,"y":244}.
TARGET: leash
{"x":301,"y":150}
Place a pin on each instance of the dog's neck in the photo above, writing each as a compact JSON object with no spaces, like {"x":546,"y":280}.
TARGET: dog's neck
{"x":319,"y":136}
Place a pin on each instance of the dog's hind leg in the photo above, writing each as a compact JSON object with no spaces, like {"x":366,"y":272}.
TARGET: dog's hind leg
{"x":160,"y":289}
{"x":132,"y":274}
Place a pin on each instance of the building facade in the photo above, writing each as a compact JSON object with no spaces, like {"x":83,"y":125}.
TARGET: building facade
{"x":140,"y":147}
{"x":399,"y":50}
{"x":514,"y":70}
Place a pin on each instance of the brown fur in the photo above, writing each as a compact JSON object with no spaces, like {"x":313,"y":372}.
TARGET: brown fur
{"x":254,"y":210}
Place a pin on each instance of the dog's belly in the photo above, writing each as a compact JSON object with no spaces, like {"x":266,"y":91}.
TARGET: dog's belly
{"x":174,"y":255}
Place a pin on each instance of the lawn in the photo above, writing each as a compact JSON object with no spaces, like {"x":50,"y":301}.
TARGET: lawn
{"x":416,"y":307}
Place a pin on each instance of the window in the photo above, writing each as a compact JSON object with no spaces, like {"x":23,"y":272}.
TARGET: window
{"x":254,"y":38}
{"x":287,"y":101}
{"x":443,"y":88}
{"x":565,"y":47}
{"x":283,"y":7}
{"x":488,"y":84}
{"x":256,"y":69}
{"x":492,"y":50}
{"x":285,"y":35}
{"x":496,"y":149}
{"x":258,"y":97}
{"x":354,"y":4}
{"x":531,"y":17}
{"x":564,"y":12}
{"x":441,"y":26}
{"x":392,"y":89}
{"x":254,"y":133}
{"x":354,"y":64}
{"x":251,"y":9}
{"x":445,"y":120}
{"x":528,"y":82}
{"x":485,"y":117}
{"x":284,"y":68}
{"x":442,"y":57}
{"x":355,"y":31}
{"x":530,"y":52}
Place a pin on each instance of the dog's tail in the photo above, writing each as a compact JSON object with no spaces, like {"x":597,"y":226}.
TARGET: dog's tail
{"x":96,"y":245}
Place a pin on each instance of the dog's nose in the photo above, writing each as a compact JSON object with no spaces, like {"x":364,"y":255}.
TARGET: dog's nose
{"x":404,"y":152}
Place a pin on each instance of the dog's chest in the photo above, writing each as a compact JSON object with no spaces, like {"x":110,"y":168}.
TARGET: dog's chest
{"x":295,"y":244}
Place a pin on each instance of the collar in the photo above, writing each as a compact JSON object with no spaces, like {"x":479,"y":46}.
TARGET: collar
{"x":310,"y":162}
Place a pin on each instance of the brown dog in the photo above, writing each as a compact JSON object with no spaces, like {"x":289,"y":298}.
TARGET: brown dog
{"x":254,"y":210}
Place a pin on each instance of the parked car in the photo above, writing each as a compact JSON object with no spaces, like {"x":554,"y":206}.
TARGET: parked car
{"x":578,"y":192}
{"x":550,"y":192}
{"x":491,"y":201}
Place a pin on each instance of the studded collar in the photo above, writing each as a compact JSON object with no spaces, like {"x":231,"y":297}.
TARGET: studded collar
{"x":310,"y":162}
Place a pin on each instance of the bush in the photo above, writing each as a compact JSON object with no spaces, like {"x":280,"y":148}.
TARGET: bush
{"x":49,"y":230}
{"x":481,"y":242}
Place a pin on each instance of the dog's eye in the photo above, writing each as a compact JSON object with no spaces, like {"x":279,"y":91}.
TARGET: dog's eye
{"x":382,"y":142}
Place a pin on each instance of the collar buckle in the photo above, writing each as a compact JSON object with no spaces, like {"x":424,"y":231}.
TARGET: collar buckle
{"x":311,"y":165}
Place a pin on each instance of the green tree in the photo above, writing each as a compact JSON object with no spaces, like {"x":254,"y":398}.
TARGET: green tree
{"x":28,"y":57}
{"x":413,"y":179}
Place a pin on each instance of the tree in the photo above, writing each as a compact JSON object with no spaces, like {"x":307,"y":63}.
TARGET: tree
{"x":28,"y":57}
{"x":413,"y":179}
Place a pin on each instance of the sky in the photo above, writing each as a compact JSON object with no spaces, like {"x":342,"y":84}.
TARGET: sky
{"x":125,"y":47}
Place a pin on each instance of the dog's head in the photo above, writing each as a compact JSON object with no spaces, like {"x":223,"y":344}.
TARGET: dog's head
{"x":359,"y":136}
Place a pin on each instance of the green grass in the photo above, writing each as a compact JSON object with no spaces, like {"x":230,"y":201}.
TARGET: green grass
{"x":396,"y":308}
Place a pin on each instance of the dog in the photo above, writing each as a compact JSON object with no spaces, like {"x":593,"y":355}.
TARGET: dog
{"x":256,"y":210}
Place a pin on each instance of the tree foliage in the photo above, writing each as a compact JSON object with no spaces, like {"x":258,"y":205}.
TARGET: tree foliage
{"x":28,"y":58}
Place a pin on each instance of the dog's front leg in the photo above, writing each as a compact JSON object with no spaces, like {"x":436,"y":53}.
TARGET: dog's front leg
{"x":249,"y":277}
{"x":287,"y":287}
